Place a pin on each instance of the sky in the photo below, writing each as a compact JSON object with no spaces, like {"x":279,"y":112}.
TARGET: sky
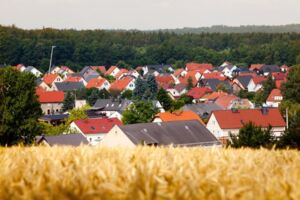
{"x":146,"y":14}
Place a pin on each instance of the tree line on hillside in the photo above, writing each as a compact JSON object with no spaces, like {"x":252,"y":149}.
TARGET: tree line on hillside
{"x":133,"y":48}
{"x":289,"y":28}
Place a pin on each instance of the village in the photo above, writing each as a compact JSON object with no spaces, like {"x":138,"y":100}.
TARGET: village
{"x":215,"y":101}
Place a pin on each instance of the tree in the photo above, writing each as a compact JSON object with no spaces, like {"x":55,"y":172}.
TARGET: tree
{"x":190,"y":84}
{"x":140,"y":88}
{"x":177,"y":105}
{"x":252,"y":136}
{"x":93,"y":96}
{"x":19,"y":108}
{"x":139,"y":112}
{"x":127,"y":94}
{"x":123,"y":64}
{"x":164,"y":99}
{"x":291,"y":137}
{"x":152,"y":88}
{"x":291,"y":89}
{"x":268,"y":86}
{"x":69,"y":102}
{"x":223,"y":87}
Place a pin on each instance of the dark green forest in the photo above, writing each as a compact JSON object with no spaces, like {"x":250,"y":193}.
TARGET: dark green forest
{"x":132,"y":48}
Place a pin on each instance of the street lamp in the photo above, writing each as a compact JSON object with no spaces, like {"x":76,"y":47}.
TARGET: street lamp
{"x":52,"y":47}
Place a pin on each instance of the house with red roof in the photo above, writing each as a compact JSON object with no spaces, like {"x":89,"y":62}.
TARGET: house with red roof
{"x":177,"y":116}
{"x":51,"y":101}
{"x":121,"y":85}
{"x":212,"y":97}
{"x":99,"y":83}
{"x":198,"y":66}
{"x":179,"y":72}
{"x":49,"y":79}
{"x":176,"y":91}
{"x":194,"y":75}
{"x":112,"y":71}
{"x":94,"y":129}
{"x":256,"y":83}
{"x":275,"y":98}
{"x":197,"y":93}
{"x":225,"y":101}
{"x":223,"y":122}
{"x":166,"y":81}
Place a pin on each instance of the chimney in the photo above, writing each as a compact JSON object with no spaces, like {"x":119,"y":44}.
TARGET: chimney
{"x":264,"y":110}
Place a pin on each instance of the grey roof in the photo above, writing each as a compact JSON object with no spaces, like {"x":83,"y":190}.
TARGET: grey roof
{"x":70,"y":139}
{"x":38,"y":81}
{"x":213,"y":83}
{"x":177,"y":133}
{"x":202,"y":109}
{"x":118,"y":105}
{"x":270,"y":68}
{"x":112,"y":104}
{"x":54,"y":117}
{"x":69,"y":86}
{"x":28,"y":69}
{"x":244,"y":80}
{"x":91,"y":76}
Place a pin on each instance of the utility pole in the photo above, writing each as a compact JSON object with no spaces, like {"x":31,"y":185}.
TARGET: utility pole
{"x":50,"y":64}
{"x":287,"y":118}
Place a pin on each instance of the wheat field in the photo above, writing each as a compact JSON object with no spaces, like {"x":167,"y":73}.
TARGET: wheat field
{"x":148,"y":173}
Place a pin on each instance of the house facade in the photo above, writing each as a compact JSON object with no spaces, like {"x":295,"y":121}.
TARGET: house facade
{"x":222,"y":123}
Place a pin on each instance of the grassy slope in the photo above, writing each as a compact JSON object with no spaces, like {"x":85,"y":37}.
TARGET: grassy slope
{"x":148,"y":173}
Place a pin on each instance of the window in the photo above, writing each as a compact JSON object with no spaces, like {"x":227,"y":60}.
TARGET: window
{"x":48,"y":111}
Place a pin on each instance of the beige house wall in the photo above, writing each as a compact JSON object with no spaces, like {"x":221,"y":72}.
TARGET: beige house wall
{"x":116,"y":138}
{"x":49,"y":108}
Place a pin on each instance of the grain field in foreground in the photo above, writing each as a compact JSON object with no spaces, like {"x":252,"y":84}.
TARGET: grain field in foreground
{"x":148,"y":173}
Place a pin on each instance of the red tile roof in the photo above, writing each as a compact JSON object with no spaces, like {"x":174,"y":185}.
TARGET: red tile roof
{"x":196,"y":66}
{"x":228,"y":119}
{"x":274,"y":93}
{"x":51,"y":96}
{"x":49,"y":78}
{"x":120,"y":85}
{"x":214,"y":75}
{"x":178,"y":72}
{"x":192,"y":74}
{"x":97,"y":125}
{"x":259,"y":79}
{"x":165,"y":81}
{"x":102,"y":69}
{"x":178,"y":116}
{"x":198,"y":92}
{"x":120,"y":73}
{"x":95,"y":83}
{"x":278,"y":83}
{"x":73,"y":79}
{"x":65,"y":68}
{"x":215,"y":95}
{"x":110,"y":70}
{"x":256,"y":66}
{"x":279,"y":75}
{"x":225,"y":101}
